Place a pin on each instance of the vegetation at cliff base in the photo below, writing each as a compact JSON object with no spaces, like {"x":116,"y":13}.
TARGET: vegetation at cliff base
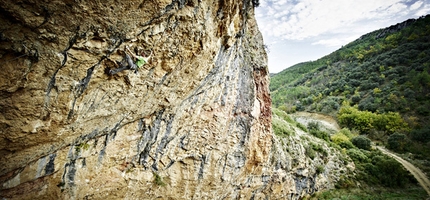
{"x":372,"y":168}
{"x":409,"y":193}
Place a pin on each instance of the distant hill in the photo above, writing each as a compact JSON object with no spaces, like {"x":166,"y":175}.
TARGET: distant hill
{"x":383,"y":71}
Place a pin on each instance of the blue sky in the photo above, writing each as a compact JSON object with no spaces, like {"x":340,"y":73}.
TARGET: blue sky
{"x":303,"y":30}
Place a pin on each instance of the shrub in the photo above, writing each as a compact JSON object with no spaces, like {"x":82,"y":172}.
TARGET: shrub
{"x":313,"y":125}
{"x":397,"y":142}
{"x":368,"y":104}
{"x":84,"y":146}
{"x":423,"y":110}
{"x":283,"y":108}
{"x":320,"y":134}
{"x":307,"y":101}
{"x":319,"y":169}
{"x":357,"y":155}
{"x":348,"y":133}
{"x":282,"y":114}
{"x":302,"y":127}
{"x":158,"y":180}
{"x":344,"y":182}
{"x":298,"y":106}
{"x":362,"y":142}
{"x":280,"y":127}
{"x":314,"y":129}
{"x":378,"y":169}
{"x":355,"y":99}
{"x":330,"y":104}
{"x":319,"y":148}
{"x":421,"y":135}
{"x":342,"y":140}
{"x":310,"y":152}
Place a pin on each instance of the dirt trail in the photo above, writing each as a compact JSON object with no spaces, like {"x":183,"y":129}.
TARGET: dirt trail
{"x":418,"y":174}
{"x":330,"y":123}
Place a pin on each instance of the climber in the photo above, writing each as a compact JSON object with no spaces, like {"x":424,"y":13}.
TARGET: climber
{"x":140,"y":61}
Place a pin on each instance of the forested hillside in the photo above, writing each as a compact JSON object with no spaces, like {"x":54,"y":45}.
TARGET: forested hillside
{"x":378,"y":85}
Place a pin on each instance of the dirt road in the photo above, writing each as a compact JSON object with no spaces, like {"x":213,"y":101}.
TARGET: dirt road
{"x":418,"y":174}
{"x":330,"y":123}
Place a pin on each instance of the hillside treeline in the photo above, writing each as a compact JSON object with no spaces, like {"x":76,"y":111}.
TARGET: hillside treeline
{"x":382,"y":74}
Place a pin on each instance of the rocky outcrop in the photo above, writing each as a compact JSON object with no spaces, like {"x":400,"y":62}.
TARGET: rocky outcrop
{"x":392,"y":29}
{"x":301,"y":164}
{"x":193,"y":123}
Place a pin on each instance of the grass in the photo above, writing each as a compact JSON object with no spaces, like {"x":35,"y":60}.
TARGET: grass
{"x":283,"y":115}
{"x":158,"y":180}
{"x":84,"y":146}
{"x":280,"y":127}
{"x":302,"y":127}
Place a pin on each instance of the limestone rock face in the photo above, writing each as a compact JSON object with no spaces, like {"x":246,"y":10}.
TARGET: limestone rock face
{"x":193,"y":123}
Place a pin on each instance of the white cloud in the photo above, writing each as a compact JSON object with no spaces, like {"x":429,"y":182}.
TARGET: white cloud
{"x":423,"y":11}
{"x":263,"y":4}
{"x":335,"y":42}
{"x":280,"y":2}
{"x":281,"y":14}
{"x":309,"y":18}
{"x":416,"y":5}
{"x":308,"y":29}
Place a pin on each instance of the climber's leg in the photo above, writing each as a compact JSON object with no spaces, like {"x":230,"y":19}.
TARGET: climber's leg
{"x":130,"y":62}
{"x":117,"y":70}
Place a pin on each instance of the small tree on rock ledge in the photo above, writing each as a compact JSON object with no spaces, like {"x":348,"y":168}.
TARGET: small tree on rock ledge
{"x":255,"y":3}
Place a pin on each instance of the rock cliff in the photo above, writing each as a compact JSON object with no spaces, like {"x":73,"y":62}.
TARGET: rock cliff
{"x":195,"y":122}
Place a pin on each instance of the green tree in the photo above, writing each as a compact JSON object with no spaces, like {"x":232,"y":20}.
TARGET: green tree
{"x":390,"y":122}
{"x":361,"y":142}
{"x":364,"y":121}
{"x":397,"y":142}
{"x":353,"y":118}
{"x":421,"y":135}
{"x":390,"y":172}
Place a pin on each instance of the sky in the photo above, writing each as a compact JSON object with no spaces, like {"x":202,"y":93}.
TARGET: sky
{"x":297,"y":31}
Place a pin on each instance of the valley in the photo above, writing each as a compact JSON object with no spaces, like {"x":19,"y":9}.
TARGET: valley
{"x":418,"y":174}
{"x":375,"y":88}
{"x":328,"y":123}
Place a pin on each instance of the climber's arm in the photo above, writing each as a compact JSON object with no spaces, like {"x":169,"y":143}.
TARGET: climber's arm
{"x":131,"y":53}
{"x":149,"y":57}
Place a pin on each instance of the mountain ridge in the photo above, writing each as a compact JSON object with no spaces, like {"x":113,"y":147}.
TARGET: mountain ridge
{"x":383,"y":71}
